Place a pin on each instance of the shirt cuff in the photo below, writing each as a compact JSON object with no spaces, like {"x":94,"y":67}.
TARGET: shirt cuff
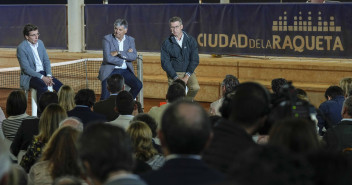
{"x":42,"y":77}
{"x":48,"y":75}
{"x":176,"y":77}
{"x":189,"y":74}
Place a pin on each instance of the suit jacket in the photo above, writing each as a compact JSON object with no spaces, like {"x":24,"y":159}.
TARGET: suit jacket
{"x":110,"y":44}
{"x":339,"y":137}
{"x":183,"y":171}
{"x":24,"y":136}
{"x":85,"y":115}
{"x":122,"y":121}
{"x":157,"y":113}
{"x":27,"y":62}
{"x":106,"y":107}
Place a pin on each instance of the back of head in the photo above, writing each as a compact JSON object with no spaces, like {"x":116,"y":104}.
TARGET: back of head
{"x":85,"y":97}
{"x":72,"y":122}
{"x":62,"y":147}
{"x":16,"y":103}
{"x":333,"y":92}
{"x":296,"y":134}
{"x":181,"y":82}
{"x":347,"y":104}
{"x":115,"y":83}
{"x":185,"y":127}
{"x":4,"y":160}
{"x":66,"y":97}
{"x":47,"y":98}
{"x":68,"y":180}
{"x":230,"y":83}
{"x":249,"y":104}
{"x":346,"y":85}
{"x":49,"y":121}
{"x":100,"y":144}
{"x":150,"y":121}
{"x":174,"y":92}
{"x":277,"y":84}
{"x":124,"y":103}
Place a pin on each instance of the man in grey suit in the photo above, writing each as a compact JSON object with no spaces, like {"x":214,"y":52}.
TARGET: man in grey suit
{"x":118,"y":53}
{"x":35,"y":63}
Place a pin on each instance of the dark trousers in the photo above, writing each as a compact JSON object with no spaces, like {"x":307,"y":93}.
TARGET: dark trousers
{"x":39,"y":85}
{"x":130,"y":79}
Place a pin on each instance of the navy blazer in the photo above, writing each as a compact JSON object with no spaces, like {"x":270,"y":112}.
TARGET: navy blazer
{"x":107,"y":108}
{"x":110,"y":44}
{"x":27,"y":62}
{"x":183,"y":171}
{"x":85,"y":115}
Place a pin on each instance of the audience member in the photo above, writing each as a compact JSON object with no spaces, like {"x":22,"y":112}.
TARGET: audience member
{"x":66,"y":97}
{"x":276,"y":86}
{"x":138,"y":109}
{"x":84,"y":101}
{"x":124,"y":106}
{"x":301,"y":94}
{"x":2,"y":117}
{"x":340,"y":137}
{"x":141,"y":136}
{"x":59,"y":158}
{"x":330,"y":110}
{"x":29,"y":127}
{"x":248,"y":109}
{"x":185,"y":132}
{"x":68,"y":180}
{"x":48,"y":123}
{"x":175,"y":91}
{"x":146,"y":118}
{"x":72,"y":122}
{"x":346,"y":85}
{"x":5,"y":163}
{"x":16,"y":106}
{"x":106,"y":153}
{"x":115,"y":84}
{"x":298,"y":135}
{"x":228,"y":85}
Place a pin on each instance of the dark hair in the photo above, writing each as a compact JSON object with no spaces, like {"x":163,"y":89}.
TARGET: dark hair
{"x":61,"y":153}
{"x":16,"y":103}
{"x":28,"y":28}
{"x":181,"y":82}
{"x":186,"y":127}
{"x":250,"y":103}
{"x":85,"y":97}
{"x":174,"y":92}
{"x":174,"y":19}
{"x":107,"y":148}
{"x":47,"y":98}
{"x":121,"y":22}
{"x":277,"y":84}
{"x":124,"y":103}
{"x":115,"y":83}
{"x":139,"y":107}
{"x":296,"y":134}
{"x":333,"y":91}
{"x":230,"y":83}
{"x":150,"y":121}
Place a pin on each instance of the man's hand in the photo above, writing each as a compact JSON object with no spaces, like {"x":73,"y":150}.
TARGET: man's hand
{"x":130,"y":50}
{"x":114,"y":53}
{"x":48,"y":80}
{"x":185,"y":79}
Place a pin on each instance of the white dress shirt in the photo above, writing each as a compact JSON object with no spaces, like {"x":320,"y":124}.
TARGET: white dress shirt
{"x":123,"y":66}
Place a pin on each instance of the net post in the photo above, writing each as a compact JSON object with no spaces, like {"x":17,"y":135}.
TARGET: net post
{"x":140,"y":77}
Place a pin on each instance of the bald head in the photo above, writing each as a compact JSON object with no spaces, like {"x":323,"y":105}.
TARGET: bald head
{"x":73,"y":122}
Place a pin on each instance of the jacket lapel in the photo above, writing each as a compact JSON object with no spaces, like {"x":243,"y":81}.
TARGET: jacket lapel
{"x":29,"y":50}
{"x":115,"y":43}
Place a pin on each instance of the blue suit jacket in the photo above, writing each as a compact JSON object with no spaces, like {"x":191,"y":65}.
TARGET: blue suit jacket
{"x":27,"y":62}
{"x":86,"y":115}
{"x":110,"y":44}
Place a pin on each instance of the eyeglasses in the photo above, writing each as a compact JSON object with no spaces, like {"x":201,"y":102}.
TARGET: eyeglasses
{"x":33,"y":35}
{"x":175,"y":27}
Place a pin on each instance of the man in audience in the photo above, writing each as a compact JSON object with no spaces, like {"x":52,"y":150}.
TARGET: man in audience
{"x":330,"y":110}
{"x":84,"y":101}
{"x":185,"y":132}
{"x":249,"y":108}
{"x":29,"y":127}
{"x":276,"y":86}
{"x":5,"y":163}
{"x":106,"y":107}
{"x":340,"y":137}
{"x":174,"y":92}
{"x":124,"y":106}
{"x":72,"y":122}
{"x":228,"y":85}
{"x":106,"y":154}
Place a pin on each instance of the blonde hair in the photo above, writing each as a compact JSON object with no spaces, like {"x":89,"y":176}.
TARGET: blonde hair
{"x":346,"y":85}
{"x":141,"y":137}
{"x":49,"y":121}
{"x":66,"y":97}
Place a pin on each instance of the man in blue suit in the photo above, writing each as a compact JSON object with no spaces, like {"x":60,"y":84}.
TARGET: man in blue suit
{"x":35,"y":63}
{"x":118,"y":53}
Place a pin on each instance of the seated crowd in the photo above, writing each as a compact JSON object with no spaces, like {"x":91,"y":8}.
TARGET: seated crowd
{"x":248,"y":137}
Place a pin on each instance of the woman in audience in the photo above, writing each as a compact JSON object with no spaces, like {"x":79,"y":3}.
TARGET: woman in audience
{"x":59,"y":158}
{"x":296,"y":134}
{"x":48,"y":123}
{"x":141,"y":137}
{"x":66,"y":97}
{"x":346,"y":85}
{"x":16,"y":106}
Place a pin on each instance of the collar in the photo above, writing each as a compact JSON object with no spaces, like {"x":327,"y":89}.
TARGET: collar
{"x":126,"y":116}
{"x":18,"y":116}
{"x":33,"y":45}
{"x":123,"y":39}
{"x":82,"y":106}
{"x":177,"y":156}
{"x":346,"y":119}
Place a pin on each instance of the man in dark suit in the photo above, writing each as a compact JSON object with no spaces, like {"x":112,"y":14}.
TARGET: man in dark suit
{"x":185,"y":132}
{"x":35,"y":63}
{"x":29,"y":127}
{"x":106,"y":107}
{"x":340,"y":137}
{"x":84,"y":101}
{"x":118,"y":53}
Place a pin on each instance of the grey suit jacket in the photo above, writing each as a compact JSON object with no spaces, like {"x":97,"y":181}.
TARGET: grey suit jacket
{"x":27,"y":62}
{"x":110,"y":44}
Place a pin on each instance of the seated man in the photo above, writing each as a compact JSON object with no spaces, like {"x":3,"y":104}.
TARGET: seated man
{"x":35,"y":63}
{"x":124,"y":106}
